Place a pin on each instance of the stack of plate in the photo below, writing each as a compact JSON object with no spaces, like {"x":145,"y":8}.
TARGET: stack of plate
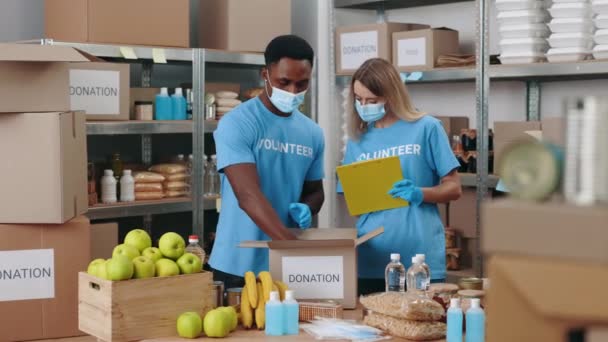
{"x":572,"y":27}
{"x":600,"y":7}
{"x":523,"y":30}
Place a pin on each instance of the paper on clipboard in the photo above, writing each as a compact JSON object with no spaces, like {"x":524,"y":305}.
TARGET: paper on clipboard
{"x":366,"y":185}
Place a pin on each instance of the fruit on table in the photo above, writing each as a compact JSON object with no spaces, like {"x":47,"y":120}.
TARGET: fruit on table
{"x":251,"y":288}
{"x":172,"y":245}
{"x":216,"y":323}
{"x":126,"y":250}
{"x":260,"y":311}
{"x":143,"y":267}
{"x":94,"y":266}
{"x":119,"y":268}
{"x":266,"y":281}
{"x":189,"y":325}
{"x":231,"y":312}
{"x":166,"y":268}
{"x":260,"y":290}
{"x":139,"y":239}
{"x":189,"y":263}
{"x":282,"y":288}
{"x":246,"y":311}
{"x":152,"y":253}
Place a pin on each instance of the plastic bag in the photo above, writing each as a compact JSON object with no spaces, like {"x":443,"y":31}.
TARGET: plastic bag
{"x":406,"y":305}
{"x":227,"y":102}
{"x":176,"y":177}
{"x":148,"y":177}
{"x":411,"y":330}
{"x":226,"y":94}
{"x":337,"y":329}
{"x":175,"y":185}
{"x":174,"y":193}
{"x":148,"y":187}
{"x":168,"y":169}
{"x":144,"y":196}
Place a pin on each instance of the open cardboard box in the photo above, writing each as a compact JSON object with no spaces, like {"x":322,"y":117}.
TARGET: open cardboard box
{"x":320,"y":265}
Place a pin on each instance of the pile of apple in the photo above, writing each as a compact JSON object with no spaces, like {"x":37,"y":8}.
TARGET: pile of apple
{"x":137,"y":259}
{"x":217,"y":323}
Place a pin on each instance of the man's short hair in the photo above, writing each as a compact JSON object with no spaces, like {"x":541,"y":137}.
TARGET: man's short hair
{"x":288,"y":46}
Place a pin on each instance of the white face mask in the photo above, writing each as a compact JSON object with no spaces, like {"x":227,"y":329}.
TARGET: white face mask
{"x":285,"y":101}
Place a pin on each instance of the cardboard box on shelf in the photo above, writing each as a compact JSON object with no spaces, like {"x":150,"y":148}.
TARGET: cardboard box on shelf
{"x":507,"y":132}
{"x":419,"y":50}
{"x":320,"y":265}
{"x":554,"y":130}
{"x":39,"y":279}
{"x":39,"y":78}
{"x":104,"y":237}
{"x":463,"y":212}
{"x":237,"y":25}
{"x":356,"y":44}
{"x":453,"y":124}
{"x":44,"y":178}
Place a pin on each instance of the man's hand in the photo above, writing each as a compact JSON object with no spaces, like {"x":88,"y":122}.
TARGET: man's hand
{"x":301,"y":214}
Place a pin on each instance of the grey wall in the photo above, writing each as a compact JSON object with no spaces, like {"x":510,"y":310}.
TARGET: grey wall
{"x":21,"y":20}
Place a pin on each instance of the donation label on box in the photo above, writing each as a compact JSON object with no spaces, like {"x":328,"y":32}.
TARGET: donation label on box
{"x":412,"y":52}
{"x":320,"y":277}
{"x":357,"y":47}
{"x":97,"y":92}
{"x":27,"y":274}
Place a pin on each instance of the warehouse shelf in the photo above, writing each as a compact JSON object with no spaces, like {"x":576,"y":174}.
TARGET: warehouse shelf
{"x":470,"y":180}
{"x":140,"y":208}
{"x":389,"y":4}
{"x":145,"y":127}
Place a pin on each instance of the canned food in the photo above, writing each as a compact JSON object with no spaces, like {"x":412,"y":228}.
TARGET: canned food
{"x":234,"y":296}
{"x":218,"y":291}
{"x":471,"y":284}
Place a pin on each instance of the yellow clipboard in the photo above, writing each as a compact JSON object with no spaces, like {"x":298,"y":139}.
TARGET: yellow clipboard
{"x":366,"y":185}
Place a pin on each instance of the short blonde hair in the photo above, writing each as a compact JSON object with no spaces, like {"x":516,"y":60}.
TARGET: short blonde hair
{"x":383,"y":80}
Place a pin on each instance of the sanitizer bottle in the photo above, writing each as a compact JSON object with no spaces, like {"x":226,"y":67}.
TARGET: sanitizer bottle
{"x":454,"y":321}
{"x":292,"y":314}
{"x":178,"y":105}
{"x":476,"y":322}
{"x":162,"y":103}
{"x":275,"y":315}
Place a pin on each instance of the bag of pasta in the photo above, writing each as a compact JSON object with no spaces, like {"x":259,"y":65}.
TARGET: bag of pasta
{"x":168,"y":169}
{"x":406,"y":305}
{"x":411,"y":330}
{"x":148,"y":177}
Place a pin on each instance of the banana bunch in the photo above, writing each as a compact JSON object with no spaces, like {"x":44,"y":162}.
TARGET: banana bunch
{"x":254,"y":296}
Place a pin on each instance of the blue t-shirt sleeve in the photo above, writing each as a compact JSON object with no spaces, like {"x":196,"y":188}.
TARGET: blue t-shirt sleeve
{"x":440,"y":155}
{"x":233,"y":142}
{"x":316,"y":171}
{"x":348,"y":159}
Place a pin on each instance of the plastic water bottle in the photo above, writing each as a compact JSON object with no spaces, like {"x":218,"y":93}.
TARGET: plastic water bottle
{"x":216,"y":176}
{"x":196,"y":249}
{"x":108,"y":187}
{"x":394,"y":274}
{"x":292,"y":314}
{"x":275,"y":315}
{"x":178,"y":105}
{"x":162,"y":104}
{"x":422,"y":259}
{"x":476,"y":322}
{"x":127,"y":187}
{"x":454,"y":321}
{"x":418,"y":278}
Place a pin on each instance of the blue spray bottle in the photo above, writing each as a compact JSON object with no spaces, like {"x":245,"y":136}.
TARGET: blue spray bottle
{"x":178,"y":105}
{"x":162,"y":103}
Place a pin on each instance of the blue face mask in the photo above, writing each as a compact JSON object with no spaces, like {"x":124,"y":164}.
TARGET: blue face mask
{"x":285,"y":101}
{"x":370,"y":112}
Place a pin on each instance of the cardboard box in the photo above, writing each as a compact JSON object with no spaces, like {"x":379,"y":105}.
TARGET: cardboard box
{"x":463,"y":212}
{"x":419,"y":50}
{"x":44,"y":178}
{"x":356,"y":44}
{"x":39,"y":78}
{"x":238,"y":25}
{"x":554,"y":130}
{"x":104,"y":237}
{"x":507,"y":132}
{"x":42,"y":301}
{"x":320,"y":265}
{"x":453,"y":124}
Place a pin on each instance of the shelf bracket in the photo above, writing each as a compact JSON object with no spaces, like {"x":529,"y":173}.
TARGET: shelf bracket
{"x":198,"y":142}
{"x":533,"y":100}
{"x":146,"y":74}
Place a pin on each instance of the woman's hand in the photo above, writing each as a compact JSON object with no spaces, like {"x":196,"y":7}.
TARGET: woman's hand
{"x":405,"y":189}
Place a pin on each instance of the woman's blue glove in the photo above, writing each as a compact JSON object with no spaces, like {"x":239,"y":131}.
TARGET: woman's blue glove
{"x":405,"y":189}
{"x":301,"y":214}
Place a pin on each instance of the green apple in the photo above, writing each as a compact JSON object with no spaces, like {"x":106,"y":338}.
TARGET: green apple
{"x":172,"y":245}
{"x":233,"y":317}
{"x":189,"y":325}
{"x":119,"y":268}
{"x":143,"y":267}
{"x":125,"y":250}
{"x":139,"y":239}
{"x":166,"y":268}
{"x":189,"y":263}
{"x":217,"y":324}
{"x":152,"y":253}
{"x":94,"y":267}
{"x":101,"y":270}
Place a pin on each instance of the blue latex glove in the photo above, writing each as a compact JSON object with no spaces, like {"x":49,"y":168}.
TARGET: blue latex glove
{"x":300,"y":213}
{"x":405,"y":189}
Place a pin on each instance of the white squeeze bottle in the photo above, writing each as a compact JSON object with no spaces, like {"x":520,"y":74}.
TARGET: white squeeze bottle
{"x":292,"y":314}
{"x":422,"y":259}
{"x":108,"y":187}
{"x":127,"y":187}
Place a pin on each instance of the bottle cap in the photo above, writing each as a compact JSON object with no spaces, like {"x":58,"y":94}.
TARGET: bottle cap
{"x":178,"y":92}
{"x":180,"y":156}
{"x":395,"y":256}
{"x":126,"y":172}
{"x":190,"y":157}
{"x":421,"y":257}
{"x":108,"y":172}
{"x":454,"y":303}
{"x":193,"y":238}
{"x":213,"y":157}
{"x":475,"y":303}
{"x":274,"y":295}
{"x":164,"y":91}
{"x":414,"y":260}
{"x":289,"y":295}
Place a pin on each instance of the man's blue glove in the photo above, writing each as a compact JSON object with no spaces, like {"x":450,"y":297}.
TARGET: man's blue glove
{"x":300,"y":213}
{"x":405,"y":189}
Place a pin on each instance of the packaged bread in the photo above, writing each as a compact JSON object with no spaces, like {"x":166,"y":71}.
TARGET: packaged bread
{"x":226,"y":94}
{"x":176,"y":177}
{"x":148,"y":177}
{"x":411,"y":330}
{"x":228,"y":102}
{"x":168,"y":169}
{"x":148,"y":187}
{"x":177,"y":185}
{"x":143,"y":196}
{"x":175,"y":193}
{"x":405,"y":305}
{"x":223,"y":110}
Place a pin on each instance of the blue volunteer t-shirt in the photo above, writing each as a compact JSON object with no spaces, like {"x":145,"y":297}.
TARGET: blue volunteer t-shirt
{"x":287,"y":151}
{"x":426,"y":157}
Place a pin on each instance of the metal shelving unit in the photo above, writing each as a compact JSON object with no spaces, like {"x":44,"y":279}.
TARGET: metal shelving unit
{"x":389,"y":4}
{"x":145,"y":127}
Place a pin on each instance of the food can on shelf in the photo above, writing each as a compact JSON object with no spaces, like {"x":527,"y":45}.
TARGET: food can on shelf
{"x":144,"y":111}
{"x":218,"y":290}
{"x":471,"y":284}
{"x":234,"y":296}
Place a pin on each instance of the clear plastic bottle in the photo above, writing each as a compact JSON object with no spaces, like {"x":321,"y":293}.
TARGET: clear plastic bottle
{"x":127,"y":187}
{"x":292,"y":314}
{"x":108,"y":187}
{"x":394,"y":274}
{"x":476,"y":322}
{"x":180,"y":159}
{"x":275,"y":315}
{"x":178,"y":105}
{"x":422,"y":259}
{"x":196,"y":249}
{"x":212,"y":178}
{"x":216,"y":176}
{"x":162,"y":105}
{"x":454,"y":333}
{"x":418,"y":278}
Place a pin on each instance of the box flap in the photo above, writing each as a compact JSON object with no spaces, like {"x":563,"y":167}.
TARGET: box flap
{"x":41,"y":53}
{"x":443,"y":28}
{"x":310,"y":238}
{"x":363,"y":239}
{"x":294,"y":244}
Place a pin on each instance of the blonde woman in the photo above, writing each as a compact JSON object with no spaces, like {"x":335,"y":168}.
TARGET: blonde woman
{"x":383,"y":122}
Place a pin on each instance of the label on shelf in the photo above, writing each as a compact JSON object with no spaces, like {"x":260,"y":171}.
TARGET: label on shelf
{"x":319,"y":277}
{"x":27,"y":274}
{"x":158,"y":56}
{"x":128,"y":52}
{"x":357,"y":47}
{"x":411,"y":52}
{"x":95,"y":91}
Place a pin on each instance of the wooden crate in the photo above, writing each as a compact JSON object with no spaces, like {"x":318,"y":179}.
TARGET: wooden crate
{"x":139,"y":309}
